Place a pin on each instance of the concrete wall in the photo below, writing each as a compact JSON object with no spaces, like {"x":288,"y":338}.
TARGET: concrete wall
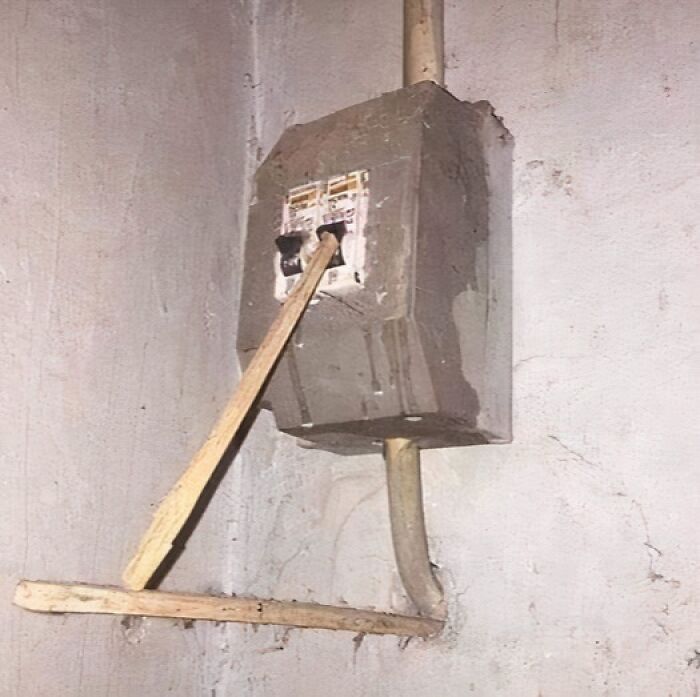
{"x":570,"y":557}
{"x":123,"y":129}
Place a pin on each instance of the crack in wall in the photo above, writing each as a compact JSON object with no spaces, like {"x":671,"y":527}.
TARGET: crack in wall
{"x":573,"y":452}
{"x":653,"y":552}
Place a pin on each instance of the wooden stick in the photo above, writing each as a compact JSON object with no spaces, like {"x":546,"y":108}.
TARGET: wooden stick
{"x":408,"y":526}
{"x":176,"y":507}
{"x":44,"y":596}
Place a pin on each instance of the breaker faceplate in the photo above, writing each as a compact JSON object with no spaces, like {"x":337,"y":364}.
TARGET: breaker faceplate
{"x":341,"y":198}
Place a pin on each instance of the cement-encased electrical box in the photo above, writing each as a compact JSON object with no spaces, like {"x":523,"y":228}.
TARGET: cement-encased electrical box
{"x":409,"y":333}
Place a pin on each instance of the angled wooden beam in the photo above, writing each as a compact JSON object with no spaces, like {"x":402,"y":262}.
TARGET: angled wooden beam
{"x":44,"y":596}
{"x":176,"y":507}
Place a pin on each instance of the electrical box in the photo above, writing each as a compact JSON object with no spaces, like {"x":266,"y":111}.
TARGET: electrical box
{"x":409,"y":333}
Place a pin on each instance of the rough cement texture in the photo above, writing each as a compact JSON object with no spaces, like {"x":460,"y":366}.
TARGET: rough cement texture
{"x":122,"y":133}
{"x":570,"y":557}
{"x":392,"y":358}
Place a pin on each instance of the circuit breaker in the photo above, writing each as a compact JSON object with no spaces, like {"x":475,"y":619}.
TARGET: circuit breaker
{"x":409,"y":333}
{"x":307,"y":209}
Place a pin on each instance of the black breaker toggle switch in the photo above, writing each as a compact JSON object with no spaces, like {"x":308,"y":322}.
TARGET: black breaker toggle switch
{"x":290,"y":248}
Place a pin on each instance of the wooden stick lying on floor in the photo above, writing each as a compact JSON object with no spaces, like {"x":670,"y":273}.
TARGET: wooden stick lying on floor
{"x":176,"y":507}
{"x":43,"y":596}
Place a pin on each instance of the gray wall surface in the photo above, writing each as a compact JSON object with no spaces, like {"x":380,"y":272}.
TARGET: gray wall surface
{"x":570,"y":557}
{"x":123,"y":130}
